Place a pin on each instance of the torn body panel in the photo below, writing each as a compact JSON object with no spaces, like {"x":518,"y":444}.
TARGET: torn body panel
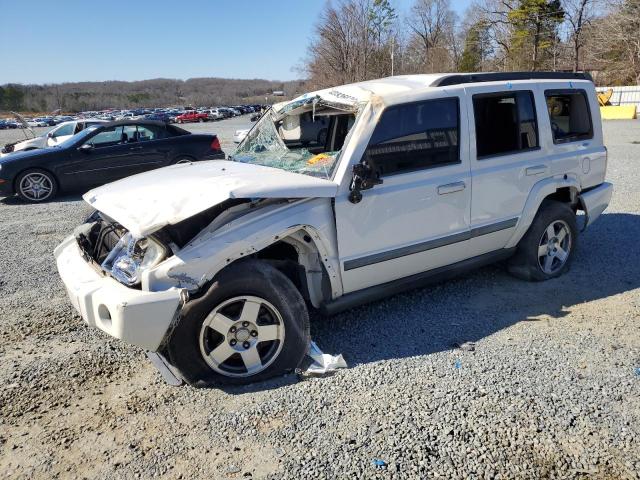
{"x":207,"y":254}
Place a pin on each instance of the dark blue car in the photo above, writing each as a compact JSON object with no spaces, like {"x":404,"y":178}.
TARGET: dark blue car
{"x":101,"y":154}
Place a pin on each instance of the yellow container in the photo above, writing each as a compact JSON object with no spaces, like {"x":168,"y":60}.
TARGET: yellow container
{"x":618,"y":112}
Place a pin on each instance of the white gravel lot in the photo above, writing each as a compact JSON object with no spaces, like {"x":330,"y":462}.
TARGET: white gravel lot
{"x":551,"y":388}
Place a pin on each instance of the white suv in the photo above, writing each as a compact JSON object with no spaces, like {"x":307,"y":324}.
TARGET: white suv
{"x":214,"y":265}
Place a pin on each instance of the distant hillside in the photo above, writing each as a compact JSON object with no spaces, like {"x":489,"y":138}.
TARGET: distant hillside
{"x":73,"y":97}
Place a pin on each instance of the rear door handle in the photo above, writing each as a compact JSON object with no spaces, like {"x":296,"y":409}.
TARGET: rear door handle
{"x":537,"y":170}
{"x":135,"y":148}
{"x":451,"y":188}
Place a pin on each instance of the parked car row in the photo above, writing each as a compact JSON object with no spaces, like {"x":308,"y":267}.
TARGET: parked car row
{"x":167,"y":115}
{"x":25,"y":122}
{"x":177,"y":115}
{"x":66,"y":126}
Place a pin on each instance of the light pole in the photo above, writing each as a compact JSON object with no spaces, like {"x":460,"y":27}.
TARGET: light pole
{"x":393,"y":43}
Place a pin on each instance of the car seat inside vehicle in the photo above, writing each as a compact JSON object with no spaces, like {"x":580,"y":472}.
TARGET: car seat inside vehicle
{"x":496,"y":126}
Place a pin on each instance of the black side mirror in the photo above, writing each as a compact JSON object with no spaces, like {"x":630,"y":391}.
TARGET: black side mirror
{"x":49,"y":135}
{"x":86,"y":148}
{"x":364,"y":178}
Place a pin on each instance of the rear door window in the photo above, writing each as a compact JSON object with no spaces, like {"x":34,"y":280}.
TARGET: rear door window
{"x":416,"y":136}
{"x":569,"y":115}
{"x":505,"y":123}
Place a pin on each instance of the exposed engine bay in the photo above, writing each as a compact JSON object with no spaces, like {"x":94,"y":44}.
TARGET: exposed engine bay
{"x":112,"y":249}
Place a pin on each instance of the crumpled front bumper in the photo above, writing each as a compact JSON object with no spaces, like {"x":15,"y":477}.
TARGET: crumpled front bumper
{"x":138,"y":317}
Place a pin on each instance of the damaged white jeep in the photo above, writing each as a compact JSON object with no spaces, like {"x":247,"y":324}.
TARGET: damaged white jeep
{"x":214,"y":265}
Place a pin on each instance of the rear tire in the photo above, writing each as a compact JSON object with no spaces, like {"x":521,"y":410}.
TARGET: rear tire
{"x":546,"y":250}
{"x":252,"y":324}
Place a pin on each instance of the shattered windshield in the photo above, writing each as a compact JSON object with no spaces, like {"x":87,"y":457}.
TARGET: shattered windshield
{"x":305,"y":136}
{"x":264,"y":146}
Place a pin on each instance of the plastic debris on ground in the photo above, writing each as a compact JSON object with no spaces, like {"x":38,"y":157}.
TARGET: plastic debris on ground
{"x":466,"y":346}
{"x":323,"y":362}
{"x":458,"y":365}
{"x":378,"y":463}
{"x":169,"y":375}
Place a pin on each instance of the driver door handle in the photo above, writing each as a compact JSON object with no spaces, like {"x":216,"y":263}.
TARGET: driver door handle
{"x":451,"y":188}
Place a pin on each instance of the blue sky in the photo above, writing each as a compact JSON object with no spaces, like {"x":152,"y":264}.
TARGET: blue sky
{"x":42,"y":41}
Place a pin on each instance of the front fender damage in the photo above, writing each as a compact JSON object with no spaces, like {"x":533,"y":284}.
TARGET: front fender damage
{"x":307,"y":225}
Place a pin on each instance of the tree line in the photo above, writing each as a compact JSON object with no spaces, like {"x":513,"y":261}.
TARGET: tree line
{"x":357,"y":40}
{"x":87,"y":96}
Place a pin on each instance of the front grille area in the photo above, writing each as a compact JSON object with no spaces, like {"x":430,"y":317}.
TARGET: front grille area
{"x":99,"y":239}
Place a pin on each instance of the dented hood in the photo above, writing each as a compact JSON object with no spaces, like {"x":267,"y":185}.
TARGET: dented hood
{"x":148,"y":201}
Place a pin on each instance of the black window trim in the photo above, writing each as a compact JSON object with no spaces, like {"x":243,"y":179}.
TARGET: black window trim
{"x":572,"y":91}
{"x":429,"y":167}
{"x":512,"y":94}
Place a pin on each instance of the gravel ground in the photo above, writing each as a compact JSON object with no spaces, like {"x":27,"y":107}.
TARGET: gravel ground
{"x":545,"y":384}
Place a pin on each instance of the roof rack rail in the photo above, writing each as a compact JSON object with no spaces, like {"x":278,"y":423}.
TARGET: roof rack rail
{"x":457,"y":79}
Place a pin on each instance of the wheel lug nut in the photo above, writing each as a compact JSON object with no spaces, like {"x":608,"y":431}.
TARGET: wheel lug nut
{"x":254,"y":333}
{"x":232,"y":329}
{"x":246,"y":345}
{"x":233,"y":341}
{"x":245,"y":324}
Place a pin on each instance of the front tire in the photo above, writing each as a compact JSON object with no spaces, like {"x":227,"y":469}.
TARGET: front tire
{"x":252,"y":324}
{"x":36,"y":186}
{"x":546,"y":250}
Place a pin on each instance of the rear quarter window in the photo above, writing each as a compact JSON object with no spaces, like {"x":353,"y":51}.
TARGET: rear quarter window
{"x":569,"y":114}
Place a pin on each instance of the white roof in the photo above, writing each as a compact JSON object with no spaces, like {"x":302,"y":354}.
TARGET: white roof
{"x":397,"y":85}
{"x":362,"y":91}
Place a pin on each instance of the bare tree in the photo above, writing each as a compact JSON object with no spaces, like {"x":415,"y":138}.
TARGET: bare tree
{"x":578,"y":14}
{"x":432,"y":23}
{"x":353,"y":41}
{"x":614,"y":43}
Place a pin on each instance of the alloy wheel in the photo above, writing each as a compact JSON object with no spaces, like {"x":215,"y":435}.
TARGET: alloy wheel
{"x":554,"y":247}
{"x":36,"y":186}
{"x":242,"y":336}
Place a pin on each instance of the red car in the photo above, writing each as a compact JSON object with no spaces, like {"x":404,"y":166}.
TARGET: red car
{"x":193,"y":116}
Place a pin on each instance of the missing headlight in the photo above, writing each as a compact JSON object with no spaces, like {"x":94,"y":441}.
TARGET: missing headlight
{"x":132,"y":256}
